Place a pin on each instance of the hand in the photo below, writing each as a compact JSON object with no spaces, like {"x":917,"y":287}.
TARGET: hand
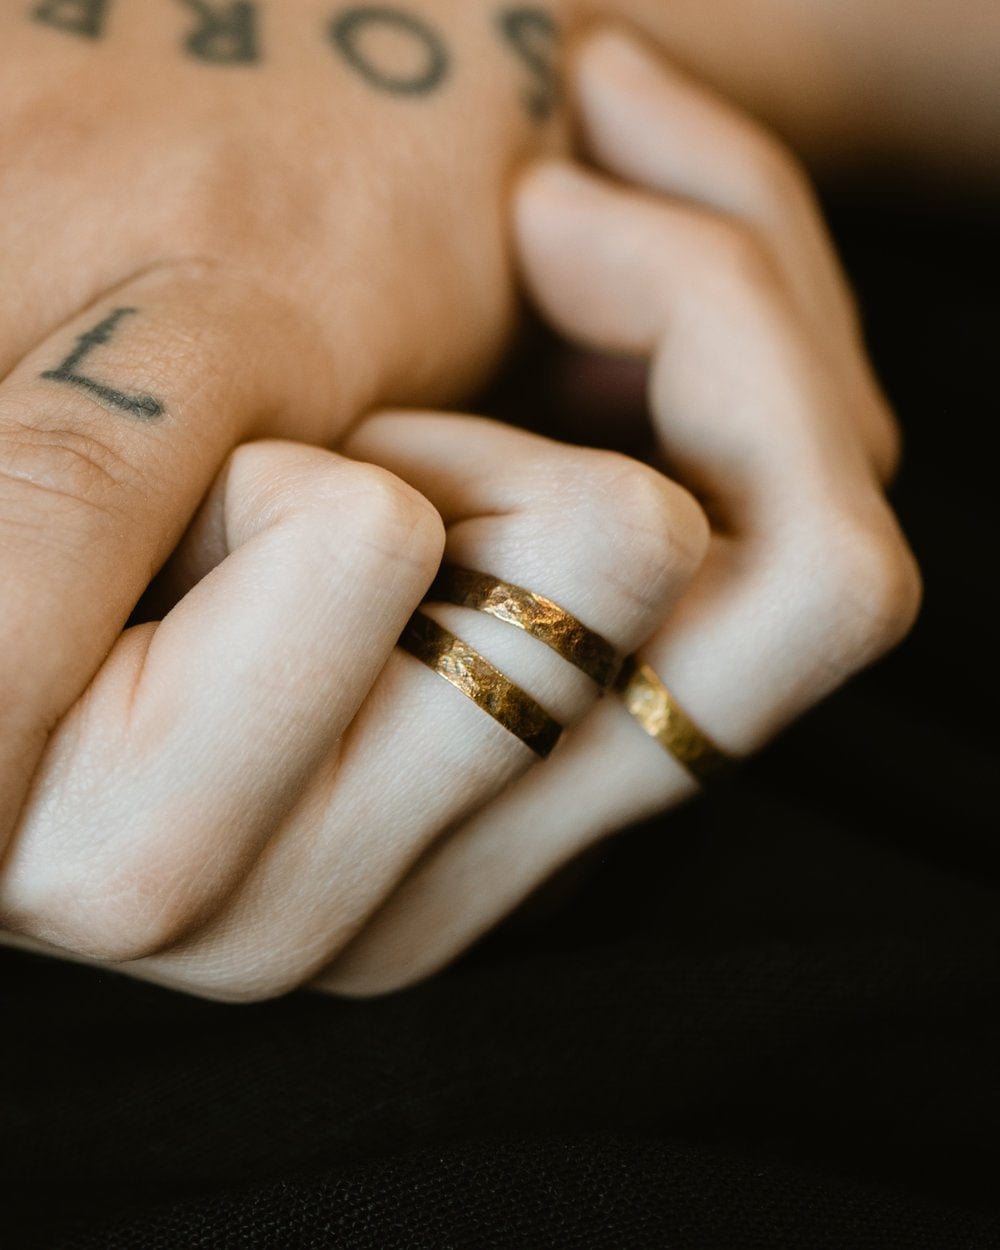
{"x":215,"y":230}
{"x":708,"y":257}
{"x":245,"y":782}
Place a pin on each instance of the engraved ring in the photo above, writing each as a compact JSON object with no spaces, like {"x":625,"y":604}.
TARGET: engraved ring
{"x":547,"y":621}
{"x":480,"y":681}
{"x":649,"y":701}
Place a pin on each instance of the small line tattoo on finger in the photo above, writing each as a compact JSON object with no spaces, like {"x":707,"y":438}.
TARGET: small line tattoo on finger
{"x":145,"y":407}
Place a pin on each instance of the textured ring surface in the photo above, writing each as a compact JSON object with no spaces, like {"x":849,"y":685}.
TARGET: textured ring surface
{"x":535,"y":614}
{"x":480,"y":681}
{"x":661,"y":716}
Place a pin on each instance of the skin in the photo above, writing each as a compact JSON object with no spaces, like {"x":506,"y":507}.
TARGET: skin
{"x":259,"y":786}
{"x":702,"y":253}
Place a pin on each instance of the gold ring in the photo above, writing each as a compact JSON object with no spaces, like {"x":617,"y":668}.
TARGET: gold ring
{"x":662,"y":717}
{"x":480,"y":681}
{"x":536,"y":615}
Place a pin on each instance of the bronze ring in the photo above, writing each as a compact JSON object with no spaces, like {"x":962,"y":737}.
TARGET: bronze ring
{"x":662,"y":717}
{"x":481,"y":682}
{"x":536,"y":615}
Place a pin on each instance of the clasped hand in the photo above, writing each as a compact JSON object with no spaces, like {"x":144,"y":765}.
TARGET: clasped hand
{"x":260,"y":790}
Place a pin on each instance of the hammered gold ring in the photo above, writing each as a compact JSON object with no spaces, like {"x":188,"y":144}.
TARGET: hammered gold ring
{"x":536,"y":615}
{"x":661,"y":716}
{"x":480,"y":681}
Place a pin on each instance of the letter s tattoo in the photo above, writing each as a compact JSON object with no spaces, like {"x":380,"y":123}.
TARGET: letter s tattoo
{"x":533,"y":34}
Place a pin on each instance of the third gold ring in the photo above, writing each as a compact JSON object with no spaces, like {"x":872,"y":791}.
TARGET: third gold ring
{"x":647,"y":699}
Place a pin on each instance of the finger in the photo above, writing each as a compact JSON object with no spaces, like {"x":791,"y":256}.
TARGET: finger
{"x":757,"y":639}
{"x":813,"y":574}
{"x":813,"y":581}
{"x":605,"y":777}
{"x":606,"y":538}
{"x":649,"y":124}
{"x":110,"y":433}
{"x":543,"y":515}
{"x":740,"y":380}
{"x":200,"y":733}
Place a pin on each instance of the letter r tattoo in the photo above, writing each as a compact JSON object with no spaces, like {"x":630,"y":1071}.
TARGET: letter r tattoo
{"x":79,"y":17}
{"x":227,"y":34}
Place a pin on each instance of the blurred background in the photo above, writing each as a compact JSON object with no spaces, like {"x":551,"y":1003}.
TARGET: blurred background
{"x":767,"y":1019}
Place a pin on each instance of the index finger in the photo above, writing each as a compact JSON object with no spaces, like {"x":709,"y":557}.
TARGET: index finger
{"x":757,"y":214}
{"x":110,"y":433}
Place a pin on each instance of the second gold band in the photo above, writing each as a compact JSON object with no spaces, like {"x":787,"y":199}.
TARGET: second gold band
{"x":480,"y":681}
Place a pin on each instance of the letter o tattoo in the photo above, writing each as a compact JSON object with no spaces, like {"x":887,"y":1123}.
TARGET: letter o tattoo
{"x":346,"y":29}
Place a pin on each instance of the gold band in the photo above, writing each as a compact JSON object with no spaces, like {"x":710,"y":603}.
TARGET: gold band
{"x":656,"y":710}
{"x":536,"y":615}
{"x":479,"y":681}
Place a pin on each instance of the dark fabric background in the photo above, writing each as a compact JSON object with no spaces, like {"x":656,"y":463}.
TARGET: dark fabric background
{"x":769,"y":1020}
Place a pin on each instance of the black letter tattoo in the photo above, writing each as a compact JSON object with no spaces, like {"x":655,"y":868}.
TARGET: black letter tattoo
{"x":227,"y":34}
{"x":144,"y":406}
{"x":533,"y":33}
{"x":79,"y":17}
{"x":346,"y":29}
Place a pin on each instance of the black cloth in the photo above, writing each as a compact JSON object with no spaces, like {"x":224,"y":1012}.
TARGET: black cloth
{"x":768,"y":1020}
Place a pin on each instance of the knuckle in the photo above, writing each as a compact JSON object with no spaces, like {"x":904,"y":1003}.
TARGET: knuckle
{"x":772,"y":170}
{"x":647,"y":530}
{"x":737,"y":257}
{"x":204,"y":178}
{"x":651,"y":517}
{"x":369,"y":983}
{"x":316,"y":491}
{"x":895,"y":596}
{"x":217,"y":170}
{"x":874,"y":581}
{"x":121,"y":888}
{"x":260,"y":966}
{"x":242,"y":986}
{"x":886,"y":441}
{"x":95,"y":876}
{"x":396,"y":517}
{"x":891,"y":451}
{"x":125,"y":918}
{"x":53,"y":461}
{"x":119,"y":941}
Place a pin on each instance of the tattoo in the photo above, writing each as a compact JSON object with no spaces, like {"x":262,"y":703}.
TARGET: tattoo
{"x":79,"y":17}
{"x":533,"y":34}
{"x":227,"y":34}
{"x":144,"y":406}
{"x":347,"y":29}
